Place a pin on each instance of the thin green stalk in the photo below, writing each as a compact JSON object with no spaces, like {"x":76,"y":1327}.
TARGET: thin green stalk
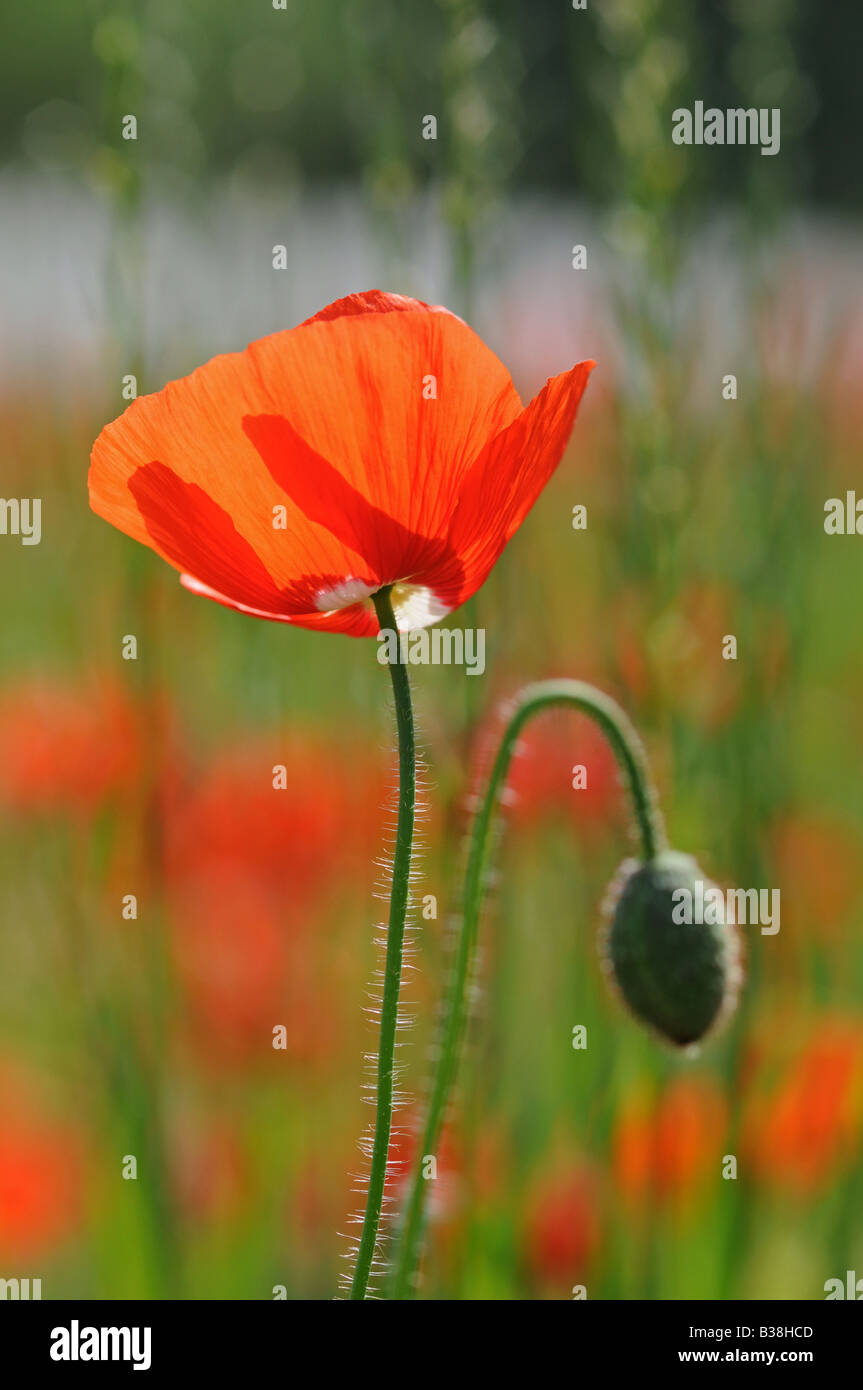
{"x":630,"y":754}
{"x":395,"y":950}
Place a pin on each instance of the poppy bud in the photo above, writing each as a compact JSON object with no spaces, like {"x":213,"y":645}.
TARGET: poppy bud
{"x":678,"y":975}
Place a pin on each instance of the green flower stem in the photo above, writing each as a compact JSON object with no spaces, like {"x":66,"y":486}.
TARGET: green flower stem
{"x":395,"y":949}
{"x":630,"y":754}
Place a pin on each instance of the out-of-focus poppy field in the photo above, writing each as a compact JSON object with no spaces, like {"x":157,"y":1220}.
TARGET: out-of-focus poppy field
{"x":165,"y":906}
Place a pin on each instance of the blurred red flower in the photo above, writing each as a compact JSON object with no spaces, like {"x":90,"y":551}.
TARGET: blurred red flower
{"x":251,"y":871}
{"x":444,"y":1176}
{"x":66,"y":748}
{"x":380,"y":442}
{"x":548,"y":760}
{"x":312,"y":828}
{"x":41,"y":1173}
{"x":803,"y":1125}
{"x":666,"y":1150}
{"x":563,"y":1226}
{"x":232,"y":956}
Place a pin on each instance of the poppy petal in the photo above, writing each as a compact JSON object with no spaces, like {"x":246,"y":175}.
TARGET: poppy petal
{"x":371,"y":302}
{"x":322,"y":494}
{"x":505,"y":481}
{"x":193,"y":532}
{"x":399,"y":403}
{"x":194,"y":427}
{"x":357,"y":620}
{"x":197,"y":536}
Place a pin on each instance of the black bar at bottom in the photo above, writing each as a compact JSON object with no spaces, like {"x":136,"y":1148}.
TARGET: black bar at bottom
{"x":245,"y":1338}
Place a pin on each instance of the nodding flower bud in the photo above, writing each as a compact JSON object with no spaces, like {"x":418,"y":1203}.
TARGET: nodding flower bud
{"x":680,"y":977}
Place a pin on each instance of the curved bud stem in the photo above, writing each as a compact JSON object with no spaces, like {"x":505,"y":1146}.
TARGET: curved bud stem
{"x":395,"y":950}
{"x":628,"y":750}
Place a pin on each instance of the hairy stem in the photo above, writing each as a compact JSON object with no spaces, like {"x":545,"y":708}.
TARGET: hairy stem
{"x":395,"y":949}
{"x":630,"y":755}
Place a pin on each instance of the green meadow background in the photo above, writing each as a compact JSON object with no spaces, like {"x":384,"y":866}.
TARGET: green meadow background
{"x":149,"y":1037}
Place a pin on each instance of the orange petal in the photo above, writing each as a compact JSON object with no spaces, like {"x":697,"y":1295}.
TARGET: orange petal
{"x":370,"y":302}
{"x":390,"y":549}
{"x":357,"y":620}
{"x":352,"y":389}
{"x":190,"y":529}
{"x":506,"y":480}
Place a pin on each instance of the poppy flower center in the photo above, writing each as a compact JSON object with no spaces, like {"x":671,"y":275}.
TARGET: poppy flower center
{"x":348,"y":592}
{"x":414,"y":605}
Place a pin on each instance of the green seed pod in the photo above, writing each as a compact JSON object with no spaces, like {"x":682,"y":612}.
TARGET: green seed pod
{"x":680,"y":975}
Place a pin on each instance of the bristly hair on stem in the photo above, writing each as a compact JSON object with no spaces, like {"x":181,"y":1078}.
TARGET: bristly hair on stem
{"x":368,"y":1260}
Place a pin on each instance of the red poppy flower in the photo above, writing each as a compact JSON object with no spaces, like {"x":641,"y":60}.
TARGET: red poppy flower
{"x":66,"y":749}
{"x":446,"y":1177}
{"x":563,"y":1228}
{"x":665,"y":1152}
{"x":230,"y":815}
{"x":805,"y":1128}
{"x":549,"y":759}
{"x":243,"y":970}
{"x":378,"y":443}
{"x":41,"y":1171}
{"x":251,"y":874}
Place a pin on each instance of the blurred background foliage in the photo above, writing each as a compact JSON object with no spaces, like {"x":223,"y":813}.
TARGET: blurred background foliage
{"x":323,"y":97}
{"x":152,"y":1036}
